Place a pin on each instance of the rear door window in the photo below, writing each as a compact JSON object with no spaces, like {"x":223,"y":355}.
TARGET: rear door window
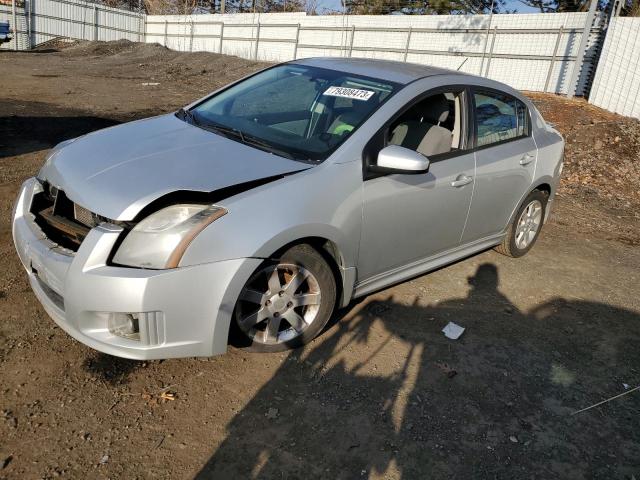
{"x":499,"y":118}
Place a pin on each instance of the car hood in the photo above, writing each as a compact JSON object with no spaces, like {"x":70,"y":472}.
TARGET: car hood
{"x":118,"y":171}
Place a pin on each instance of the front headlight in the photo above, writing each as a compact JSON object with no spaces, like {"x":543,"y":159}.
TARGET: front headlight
{"x":159,"y":241}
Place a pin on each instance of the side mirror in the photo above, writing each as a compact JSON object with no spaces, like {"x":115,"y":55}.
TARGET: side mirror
{"x":397,"y":159}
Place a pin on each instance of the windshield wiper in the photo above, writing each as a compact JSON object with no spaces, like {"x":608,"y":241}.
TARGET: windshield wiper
{"x":246,"y":138}
{"x":216,"y":127}
{"x":259,"y":143}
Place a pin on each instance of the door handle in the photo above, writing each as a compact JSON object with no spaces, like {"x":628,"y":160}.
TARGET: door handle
{"x":526,"y":159}
{"x":461,"y":181}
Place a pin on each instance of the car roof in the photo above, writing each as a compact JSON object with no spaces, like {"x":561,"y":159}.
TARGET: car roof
{"x":389,"y":70}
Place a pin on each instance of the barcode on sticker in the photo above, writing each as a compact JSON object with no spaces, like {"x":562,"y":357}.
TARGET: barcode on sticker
{"x":345,"y":92}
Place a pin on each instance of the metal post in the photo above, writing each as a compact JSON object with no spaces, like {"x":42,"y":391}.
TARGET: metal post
{"x":95,"y":23}
{"x":255,"y":53}
{"x":221,"y":37}
{"x":616,"y":8}
{"x":15,"y":25}
{"x":577,"y":66}
{"x":353,"y":34}
{"x":191,"y":37}
{"x":406,"y":47}
{"x":295,"y":48}
{"x":166,"y":29}
{"x":141,"y":28}
{"x":27,"y":19}
{"x":486,"y":38}
{"x":493,"y":42}
{"x":222,"y":7}
{"x":553,"y":58}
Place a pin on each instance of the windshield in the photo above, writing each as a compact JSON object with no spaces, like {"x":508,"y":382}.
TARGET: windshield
{"x":291,"y":110}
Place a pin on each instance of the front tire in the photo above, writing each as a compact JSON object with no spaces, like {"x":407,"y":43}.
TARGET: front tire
{"x":526,"y":225}
{"x":286,"y":302}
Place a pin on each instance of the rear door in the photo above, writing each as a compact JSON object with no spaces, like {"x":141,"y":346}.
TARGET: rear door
{"x":506,"y":156}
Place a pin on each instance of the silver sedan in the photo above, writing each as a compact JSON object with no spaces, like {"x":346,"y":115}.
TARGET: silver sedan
{"x":261,"y":208}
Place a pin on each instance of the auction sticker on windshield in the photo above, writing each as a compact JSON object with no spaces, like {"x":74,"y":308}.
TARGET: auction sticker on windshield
{"x":345,"y":92}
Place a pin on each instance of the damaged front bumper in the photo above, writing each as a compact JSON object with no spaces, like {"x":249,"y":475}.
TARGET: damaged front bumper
{"x":180,"y":312}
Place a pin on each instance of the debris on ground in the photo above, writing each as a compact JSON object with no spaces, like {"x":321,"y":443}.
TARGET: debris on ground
{"x":453,"y":331}
{"x":607,"y":400}
{"x":272,"y":413}
{"x":448,"y":371}
{"x":5,"y":462}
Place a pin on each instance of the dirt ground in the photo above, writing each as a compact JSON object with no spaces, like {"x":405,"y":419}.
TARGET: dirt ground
{"x":382,"y":393}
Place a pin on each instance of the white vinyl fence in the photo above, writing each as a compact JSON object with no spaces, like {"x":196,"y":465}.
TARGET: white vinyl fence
{"x":41,"y":20}
{"x":534,"y":52}
{"x":616,"y":86}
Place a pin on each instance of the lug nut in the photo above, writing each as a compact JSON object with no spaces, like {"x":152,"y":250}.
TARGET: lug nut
{"x":281,"y":293}
{"x":267,"y":303}
{"x":276,"y":315}
{"x":290,"y":304}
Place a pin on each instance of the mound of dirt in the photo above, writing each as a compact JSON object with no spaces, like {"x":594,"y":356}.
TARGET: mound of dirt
{"x":602,"y":154}
{"x":103,"y":49}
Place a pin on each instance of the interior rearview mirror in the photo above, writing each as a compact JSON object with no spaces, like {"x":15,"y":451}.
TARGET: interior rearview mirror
{"x":397,"y":159}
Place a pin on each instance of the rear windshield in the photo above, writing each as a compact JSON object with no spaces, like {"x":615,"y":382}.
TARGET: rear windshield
{"x":296,"y":111}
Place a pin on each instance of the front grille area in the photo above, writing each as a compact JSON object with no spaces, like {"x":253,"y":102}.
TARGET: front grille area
{"x":61,"y":220}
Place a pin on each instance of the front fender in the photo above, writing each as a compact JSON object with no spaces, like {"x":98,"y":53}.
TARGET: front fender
{"x":324,"y":202}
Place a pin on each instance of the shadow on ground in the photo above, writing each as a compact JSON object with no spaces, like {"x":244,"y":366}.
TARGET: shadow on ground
{"x":34,"y":126}
{"x":402,"y":401}
{"x":114,"y":370}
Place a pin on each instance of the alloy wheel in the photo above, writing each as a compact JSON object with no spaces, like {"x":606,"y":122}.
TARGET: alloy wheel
{"x":528,"y":224}
{"x":278,"y":303}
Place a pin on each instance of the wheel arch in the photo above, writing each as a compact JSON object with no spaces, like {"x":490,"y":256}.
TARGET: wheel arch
{"x":330,"y":249}
{"x":543,"y":187}
{"x":544,"y":184}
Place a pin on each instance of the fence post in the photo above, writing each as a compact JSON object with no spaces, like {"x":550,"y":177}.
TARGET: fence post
{"x":406,"y":47}
{"x":255,"y":53}
{"x":166,"y":29}
{"x":27,"y":19}
{"x":353,"y":34}
{"x":295,"y":48}
{"x":15,"y":25}
{"x":95,"y":23}
{"x":486,"y":40}
{"x":221,"y":37}
{"x":553,"y":58}
{"x":577,"y":66}
{"x":141,"y":27}
{"x":191,"y":37}
{"x":493,"y":41}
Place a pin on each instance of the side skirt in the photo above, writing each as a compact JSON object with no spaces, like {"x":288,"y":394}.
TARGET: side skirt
{"x":420,"y":267}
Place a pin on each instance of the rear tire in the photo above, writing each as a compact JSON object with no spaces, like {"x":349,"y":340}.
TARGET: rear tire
{"x":526,"y":225}
{"x":286,"y":302}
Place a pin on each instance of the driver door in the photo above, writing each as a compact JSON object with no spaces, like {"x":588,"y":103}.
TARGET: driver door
{"x":408,"y":218}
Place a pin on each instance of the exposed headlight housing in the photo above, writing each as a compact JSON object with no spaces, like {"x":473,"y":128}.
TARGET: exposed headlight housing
{"x":160,"y":240}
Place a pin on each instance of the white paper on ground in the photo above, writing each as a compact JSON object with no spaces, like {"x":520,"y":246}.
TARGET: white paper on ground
{"x":453,"y":331}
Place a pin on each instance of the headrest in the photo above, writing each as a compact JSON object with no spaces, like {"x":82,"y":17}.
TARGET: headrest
{"x":436,"y":110}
